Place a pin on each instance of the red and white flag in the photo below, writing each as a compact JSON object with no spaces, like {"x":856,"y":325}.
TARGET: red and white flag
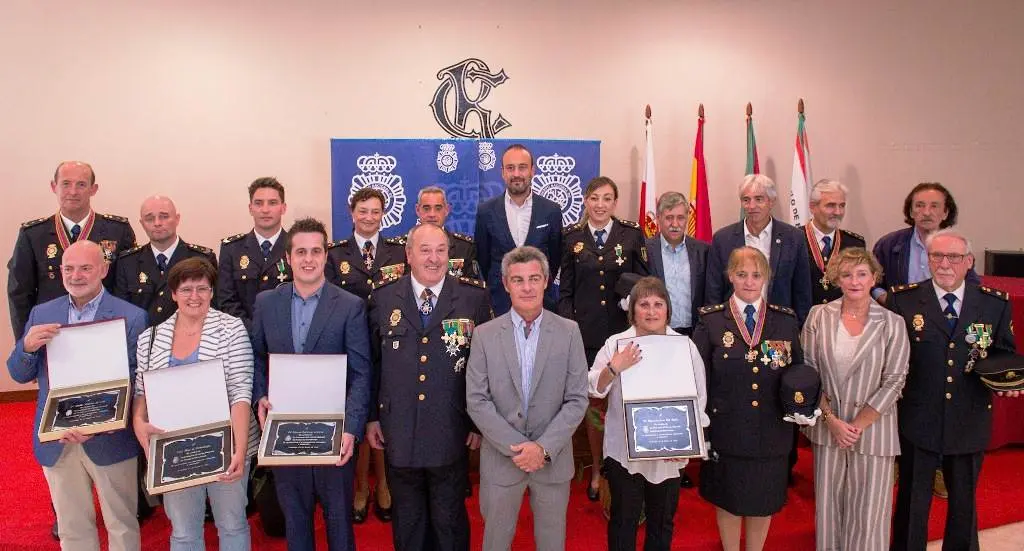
{"x":799,"y":188}
{"x":648,"y":189}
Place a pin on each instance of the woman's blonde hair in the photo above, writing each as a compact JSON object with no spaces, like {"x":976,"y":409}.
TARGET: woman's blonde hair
{"x":738,"y":256}
{"x":852,"y":256}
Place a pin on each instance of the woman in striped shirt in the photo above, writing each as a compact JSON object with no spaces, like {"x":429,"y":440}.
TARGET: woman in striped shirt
{"x":197,"y":332}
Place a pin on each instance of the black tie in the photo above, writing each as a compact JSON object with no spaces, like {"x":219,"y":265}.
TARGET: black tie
{"x":161,"y":262}
{"x":76,"y":230}
{"x":950,"y":312}
{"x":827,"y":249}
{"x":599,"y":238}
{"x":749,"y":310}
{"x":265,"y":247}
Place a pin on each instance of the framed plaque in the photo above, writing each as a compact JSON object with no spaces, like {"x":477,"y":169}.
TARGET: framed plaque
{"x":89,"y":385}
{"x":190,"y":404}
{"x":307,"y":417}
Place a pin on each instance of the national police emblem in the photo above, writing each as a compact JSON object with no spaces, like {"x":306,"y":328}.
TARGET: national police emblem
{"x":557,"y":183}
{"x":376,"y":172}
{"x":447,"y":158}
{"x":485,"y":155}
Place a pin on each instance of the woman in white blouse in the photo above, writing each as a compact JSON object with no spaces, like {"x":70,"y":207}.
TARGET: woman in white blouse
{"x":861,"y":351}
{"x":639,"y":485}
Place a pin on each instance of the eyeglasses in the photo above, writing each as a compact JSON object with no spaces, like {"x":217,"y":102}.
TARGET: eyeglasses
{"x":952,"y":258}
{"x":201,"y":290}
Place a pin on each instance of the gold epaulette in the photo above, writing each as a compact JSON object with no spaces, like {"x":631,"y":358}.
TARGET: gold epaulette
{"x":629,"y":224}
{"x":400,"y":240}
{"x":131,"y":251}
{"x":462,"y":236}
{"x":200,"y":248}
{"x":473,"y":281}
{"x":782,"y":309}
{"x":901,"y":288}
{"x":995,"y":292}
{"x":115,"y":218}
{"x":338,"y":243}
{"x":709,"y":309}
{"x":574,"y":227}
{"x":232,"y":238}
{"x":853,"y":234}
{"x":35,"y":222}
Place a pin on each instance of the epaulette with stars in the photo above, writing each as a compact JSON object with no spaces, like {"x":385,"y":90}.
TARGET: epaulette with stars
{"x":709,"y":309}
{"x":577,"y":226}
{"x":115,"y":218}
{"x":995,"y":292}
{"x":130,"y":251}
{"x":473,"y":281}
{"x":400,"y":240}
{"x":232,"y":238}
{"x":462,"y":236}
{"x":782,"y":309}
{"x":628,"y":223}
{"x":901,"y":288}
{"x":852,"y":234}
{"x":198,"y":248}
{"x":35,"y":222}
{"x":338,"y":243}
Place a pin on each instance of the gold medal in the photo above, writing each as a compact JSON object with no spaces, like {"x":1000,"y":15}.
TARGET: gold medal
{"x":51,"y":251}
{"x":577,"y":247}
{"x":751,"y":355}
{"x":243,"y":262}
{"x":824,"y":283}
{"x":396,"y":316}
{"x":918,"y":322}
{"x":798,"y":397}
{"x":345,"y":267}
{"x":143,"y":278}
{"x":728,"y":339}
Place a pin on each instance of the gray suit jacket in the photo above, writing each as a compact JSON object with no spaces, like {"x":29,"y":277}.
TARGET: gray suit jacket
{"x":697,"y":253}
{"x":557,"y":397}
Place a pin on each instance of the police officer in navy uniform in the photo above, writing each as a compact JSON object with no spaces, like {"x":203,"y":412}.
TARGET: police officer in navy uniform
{"x":355,"y":263}
{"x":945,"y":415}
{"x":142,"y":271}
{"x":432,"y":208}
{"x":597,"y":251}
{"x":34,"y":269}
{"x":254,"y":261}
{"x":422,"y":325}
{"x":823,"y":236}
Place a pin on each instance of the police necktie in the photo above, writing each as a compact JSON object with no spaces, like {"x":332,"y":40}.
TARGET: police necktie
{"x":749,"y":311}
{"x":368,"y":254}
{"x":265,"y":247}
{"x":427,"y":306}
{"x":599,"y":237}
{"x":826,"y":251}
{"x":76,"y":230}
{"x":161,"y":262}
{"x":950,"y":312}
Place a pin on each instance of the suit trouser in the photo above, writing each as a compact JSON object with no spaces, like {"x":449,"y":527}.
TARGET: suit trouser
{"x":71,"y":480}
{"x":631,"y":494}
{"x":914,"y":498}
{"x":500,"y":508}
{"x":853,"y":495}
{"x":428,"y":507}
{"x":299,"y":488}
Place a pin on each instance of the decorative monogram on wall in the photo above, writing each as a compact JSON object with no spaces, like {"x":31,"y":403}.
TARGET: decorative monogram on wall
{"x":452,"y":104}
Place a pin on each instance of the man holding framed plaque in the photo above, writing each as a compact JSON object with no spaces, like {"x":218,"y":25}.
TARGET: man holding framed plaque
{"x":77,"y":462}
{"x":311,"y":316}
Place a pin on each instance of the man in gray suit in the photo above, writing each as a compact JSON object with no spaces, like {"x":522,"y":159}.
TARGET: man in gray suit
{"x":526,"y":390}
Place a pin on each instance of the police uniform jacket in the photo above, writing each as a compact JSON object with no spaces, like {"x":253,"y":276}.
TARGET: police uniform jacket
{"x":821,"y":292}
{"x":587,"y":283}
{"x":140,"y":281}
{"x":421,"y":371}
{"x":743,"y":393}
{"x":945,"y":410}
{"x":34,"y":269}
{"x":243,"y":273}
{"x":462,"y":256}
{"x":345,"y":267}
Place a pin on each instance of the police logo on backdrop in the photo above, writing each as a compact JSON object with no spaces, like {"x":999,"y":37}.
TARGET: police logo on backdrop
{"x":486,"y":156}
{"x":376,"y":172}
{"x":447,"y":158}
{"x":557,"y":183}
{"x":452,"y":104}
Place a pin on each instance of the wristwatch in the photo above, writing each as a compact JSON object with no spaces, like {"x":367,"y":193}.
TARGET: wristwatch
{"x":612,"y":370}
{"x":547,"y":456}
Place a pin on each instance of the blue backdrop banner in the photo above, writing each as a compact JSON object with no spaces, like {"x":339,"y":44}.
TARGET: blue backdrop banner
{"x":468,"y":170}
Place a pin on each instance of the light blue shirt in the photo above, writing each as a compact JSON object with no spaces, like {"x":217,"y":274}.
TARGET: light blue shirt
{"x":918,"y":270}
{"x":88,"y":312}
{"x":526,"y":348}
{"x":190,"y":359}
{"x":677,"y":280}
{"x":302,"y":316}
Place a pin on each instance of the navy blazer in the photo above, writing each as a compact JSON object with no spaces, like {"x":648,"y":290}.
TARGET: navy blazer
{"x":493,"y":240}
{"x":790,"y":285}
{"x":338,"y":327}
{"x":103,"y":449}
{"x":697,"y":253}
{"x":893,"y":253}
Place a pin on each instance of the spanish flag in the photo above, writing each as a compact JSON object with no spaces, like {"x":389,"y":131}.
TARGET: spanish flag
{"x":698,"y":225}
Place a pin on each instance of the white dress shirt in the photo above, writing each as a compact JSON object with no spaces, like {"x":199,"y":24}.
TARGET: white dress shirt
{"x":518,"y":218}
{"x":169,"y":252}
{"x":958,"y":304}
{"x":607,"y":230}
{"x":820,"y":237}
{"x":69,"y":223}
{"x":273,"y":239}
{"x":761,"y":241}
{"x":360,"y":241}
{"x":417,"y":289}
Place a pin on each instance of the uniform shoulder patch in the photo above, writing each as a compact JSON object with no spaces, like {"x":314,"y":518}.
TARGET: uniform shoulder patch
{"x":995,"y":292}
{"x":901,"y":288}
{"x":629,"y":224}
{"x":782,"y":309}
{"x":400,"y":240}
{"x":462,"y":236}
{"x":473,"y":281}
{"x":574,"y":227}
{"x":232,"y":238}
{"x":709,"y":309}
{"x":115,"y":218}
{"x":35,"y":222}
{"x":198,"y":248}
{"x":854,"y":235}
{"x":338,"y":243}
{"x":131,"y":251}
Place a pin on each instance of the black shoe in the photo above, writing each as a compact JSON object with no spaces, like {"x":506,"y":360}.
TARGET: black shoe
{"x":469,"y":490}
{"x":144,"y":511}
{"x":593,"y":494}
{"x":791,"y":481}
{"x":54,"y":532}
{"x":359,"y":515}
{"x":685,"y":481}
{"x":383,"y":513}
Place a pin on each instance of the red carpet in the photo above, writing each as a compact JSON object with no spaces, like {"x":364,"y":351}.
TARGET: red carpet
{"x":25,"y":515}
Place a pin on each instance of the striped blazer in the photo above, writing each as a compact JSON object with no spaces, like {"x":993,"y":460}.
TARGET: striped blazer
{"x":875,"y":378}
{"x":224,"y":337}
